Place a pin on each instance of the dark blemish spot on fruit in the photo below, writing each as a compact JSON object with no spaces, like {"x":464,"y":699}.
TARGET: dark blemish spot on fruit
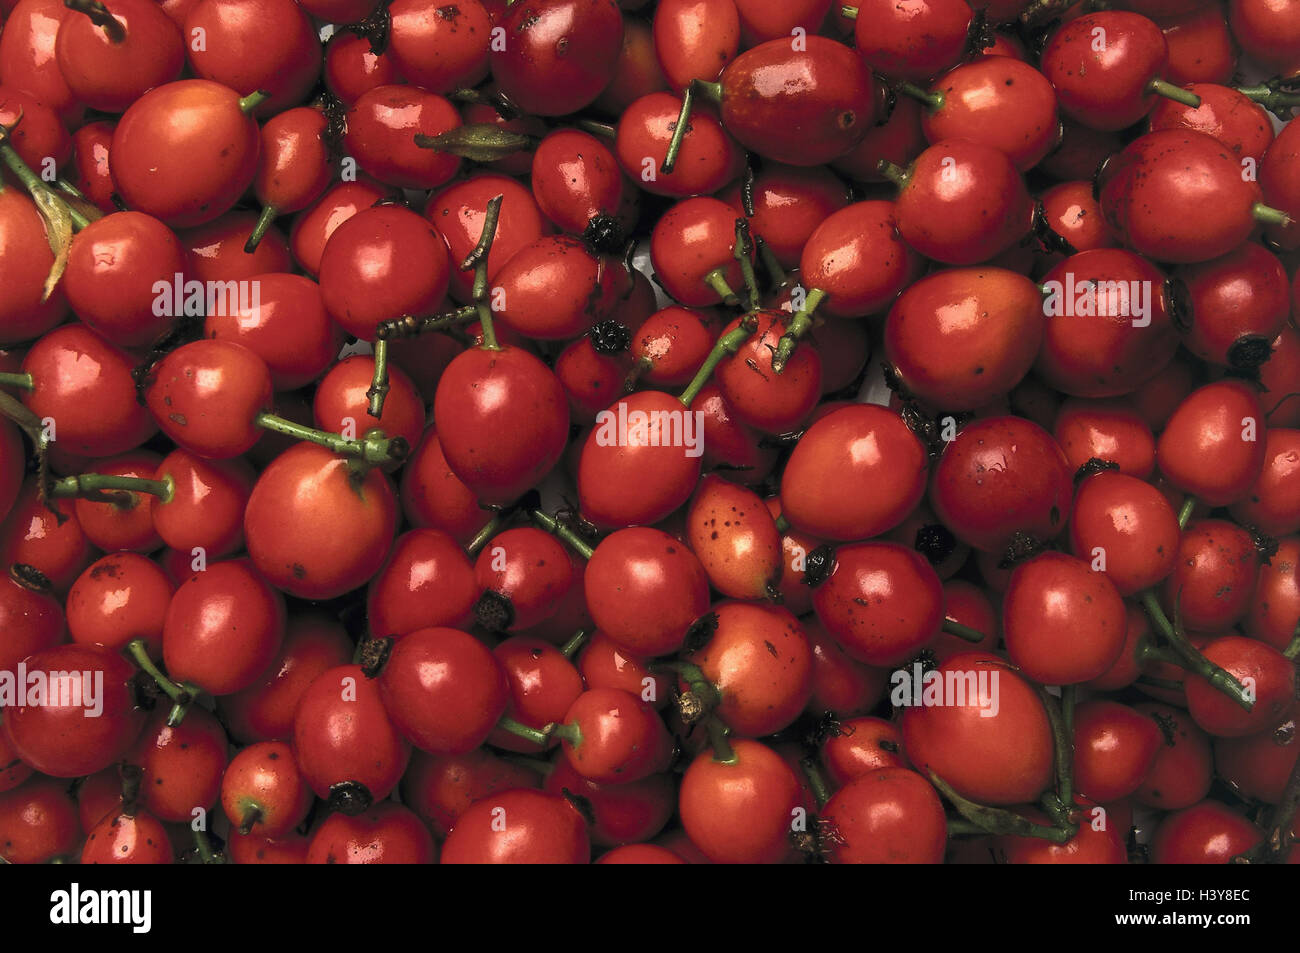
{"x":178,"y":419}
{"x":771,"y":648}
{"x":537,"y":653}
{"x":273,"y":756}
{"x":299,"y":571}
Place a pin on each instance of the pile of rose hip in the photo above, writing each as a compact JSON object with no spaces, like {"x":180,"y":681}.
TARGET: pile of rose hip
{"x":364,"y":500}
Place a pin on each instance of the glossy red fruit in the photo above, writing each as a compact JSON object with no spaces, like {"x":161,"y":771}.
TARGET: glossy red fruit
{"x":130,"y":836}
{"x":262,"y":792}
{"x":38,"y":822}
{"x":555,"y":289}
{"x":223,"y":628}
{"x":84,"y":383}
{"x":1231,"y":308}
{"x":256,"y":45}
{"x":440,"y":788}
{"x":648,"y":438}
{"x":27,"y":57}
{"x":999,"y":101}
{"x":695,"y":39}
{"x":862,"y":445}
{"x":863,"y":745}
{"x":56,"y":736}
{"x":382,"y":127}
{"x":443,"y":690}
{"x":889,"y":816}
{"x":184,"y":152}
{"x":519,"y":827}
{"x":610,"y":736}
{"x":440,"y":48}
{"x":380,"y":264}
{"x":25,"y":312}
{"x":1126,"y":528}
{"x":426,"y":581}
{"x":1173,"y":169}
{"x":645,"y":589}
{"x":1267,"y":32}
{"x":313,"y":227}
{"x":49,"y":540}
{"x":502,"y":420}
{"x":741,"y":811}
{"x":963,"y":337}
{"x":1212,"y":446}
{"x":182,"y":766}
{"x":1108,"y":328}
{"x":759,"y":396}
{"x":962,"y":202}
{"x":1276,"y":607}
{"x":1114,"y":749}
{"x":912,"y":41}
{"x":205,"y":509}
{"x":882,"y":602}
{"x":313,"y":642}
{"x":116,"y":268}
{"x":558,"y":54}
{"x":1205,"y":833}
{"x":1062,"y":622}
{"x":313,"y":529}
{"x":1108,"y":429}
{"x":1001,"y":476}
{"x":342,"y":733}
{"x":999,"y":758}
{"x":543,"y":685}
{"x":351,"y":68}
{"x":801,"y":104}
{"x":1258,"y":766}
{"x":119,"y":598}
{"x":109,"y":73}
{"x":1269,"y":679}
{"x":1213,"y":582}
{"x":708,"y":159}
{"x":387,"y":833}
{"x":206,"y":395}
{"x":1106,"y":85}
{"x":760,"y":660}
{"x":341,"y":404}
{"x":1184,"y":765}
{"x":31,"y":617}
{"x":1100,"y":840}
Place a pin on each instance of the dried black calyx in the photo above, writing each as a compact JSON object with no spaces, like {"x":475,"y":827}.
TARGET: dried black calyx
{"x":610,"y":337}
{"x":494,"y":612}
{"x":818,"y":565}
{"x":935,"y":542}
{"x":605,"y":233}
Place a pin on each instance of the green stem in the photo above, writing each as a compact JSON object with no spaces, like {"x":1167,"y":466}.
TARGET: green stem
{"x":1277,"y":101}
{"x":1185,"y":511}
{"x":723,"y":753}
{"x":742,"y":252}
{"x":374,"y":448}
{"x":33,"y":183}
{"x":483,"y":535}
{"x":1267,"y":215}
{"x":775,"y":273}
{"x":932,"y":100}
{"x":679,"y":130}
{"x":718,"y":282}
{"x":562,"y":532}
{"x":204,"y":847}
{"x":379,"y":381}
{"x":726,"y":345}
{"x":1293,"y":647}
{"x":799,"y":325}
{"x":541,"y":738}
{"x":894,"y":173}
{"x":601,"y":129}
{"x":140,"y":655}
{"x":17,"y":379}
{"x":101,"y":17}
{"x":565,"y":732}
{"x":250,"y":102}
{"x":478,"y":260}
{"x":63,"y":185}
{"x":849,"y":13}
{"x":783,"y":526}
{"x":89,"y":485}
{"x":816,"y":780}
{"x":408,"y":326}
{"x":1190,"y":658}
{"x":962,"y":631}
{"x":264,"y":221}
{"x":570,"y":648}
{"x":994,"y":820}
{"x":1176,"y":93}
